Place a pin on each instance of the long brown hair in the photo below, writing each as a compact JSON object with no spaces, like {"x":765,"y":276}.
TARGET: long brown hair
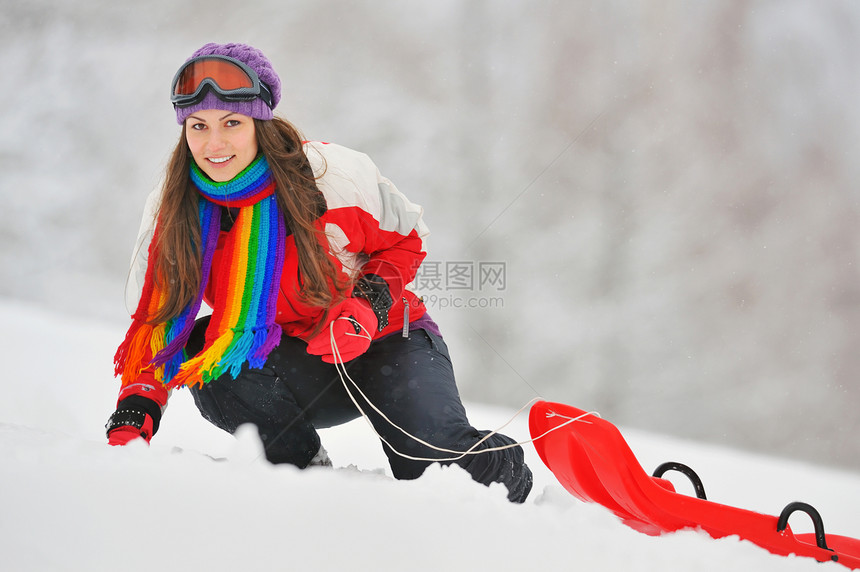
{"x":178,"y":260}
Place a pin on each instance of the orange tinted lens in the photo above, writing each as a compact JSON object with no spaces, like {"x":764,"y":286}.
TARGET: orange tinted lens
{"x":227,"y":75}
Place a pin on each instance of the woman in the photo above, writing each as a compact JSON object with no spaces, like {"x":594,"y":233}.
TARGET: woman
{"x":303,"y":250}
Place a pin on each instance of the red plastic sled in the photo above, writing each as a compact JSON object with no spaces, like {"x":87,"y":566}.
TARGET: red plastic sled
{"x":591,"y":459}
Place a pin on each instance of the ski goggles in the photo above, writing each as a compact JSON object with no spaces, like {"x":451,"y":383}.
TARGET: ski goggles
{"x":230,"y":79}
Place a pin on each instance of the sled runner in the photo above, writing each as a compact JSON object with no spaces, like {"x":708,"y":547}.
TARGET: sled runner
{"x":591,"y":459}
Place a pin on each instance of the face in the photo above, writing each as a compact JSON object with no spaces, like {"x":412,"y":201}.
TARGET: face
{"x":222,"y":143}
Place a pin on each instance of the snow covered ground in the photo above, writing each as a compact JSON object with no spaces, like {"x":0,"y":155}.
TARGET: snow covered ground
{"x":70,"y":502}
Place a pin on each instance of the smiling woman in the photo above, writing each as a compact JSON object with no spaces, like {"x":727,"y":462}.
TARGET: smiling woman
{"x":304,"y":252}
{"x":221,"y":145}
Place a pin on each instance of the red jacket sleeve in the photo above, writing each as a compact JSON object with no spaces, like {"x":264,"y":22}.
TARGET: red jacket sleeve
{"x":145,"y":386}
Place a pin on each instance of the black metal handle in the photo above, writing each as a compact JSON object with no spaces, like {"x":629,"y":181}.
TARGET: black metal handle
{"x":687,"y":471}
{"x":817,"y":521}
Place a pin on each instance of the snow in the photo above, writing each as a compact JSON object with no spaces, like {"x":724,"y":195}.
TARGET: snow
{"x":70,"y":502}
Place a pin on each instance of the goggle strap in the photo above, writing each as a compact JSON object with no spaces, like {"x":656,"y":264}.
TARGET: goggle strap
{"x":266,"y":94}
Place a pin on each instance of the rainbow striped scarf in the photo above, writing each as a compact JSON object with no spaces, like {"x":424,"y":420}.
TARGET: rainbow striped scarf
{"x":243,"y":327}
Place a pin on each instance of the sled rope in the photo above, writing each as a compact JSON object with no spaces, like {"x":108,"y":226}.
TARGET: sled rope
{"x":344,"y":376}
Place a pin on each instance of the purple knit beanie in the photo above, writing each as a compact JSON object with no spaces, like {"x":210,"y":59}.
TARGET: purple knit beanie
{"x":254,"y":59}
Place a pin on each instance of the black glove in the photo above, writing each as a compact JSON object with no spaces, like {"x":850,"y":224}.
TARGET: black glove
{"x":374,"y":289}
{"x":135,"y":416}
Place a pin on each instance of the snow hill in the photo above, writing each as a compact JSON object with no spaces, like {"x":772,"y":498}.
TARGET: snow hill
{"x":70,"y":502}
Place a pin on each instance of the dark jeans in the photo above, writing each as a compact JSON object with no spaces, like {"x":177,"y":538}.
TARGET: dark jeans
{"x":409,"y":379}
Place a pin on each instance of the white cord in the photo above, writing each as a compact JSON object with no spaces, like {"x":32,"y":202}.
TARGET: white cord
{"x":344,"y":376}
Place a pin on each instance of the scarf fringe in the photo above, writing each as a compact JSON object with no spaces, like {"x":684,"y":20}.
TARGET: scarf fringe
{"x":265,"y":340}
{"x":198,"y":370}
{"x":227,"y":355}
{"x":130,"y":358}
{"x":236,"y":354}
{"x":175,"y":338}
{"x":171,"y":367}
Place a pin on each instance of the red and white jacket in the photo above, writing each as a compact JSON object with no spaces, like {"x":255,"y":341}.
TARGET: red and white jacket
{"x":371,"y":228}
